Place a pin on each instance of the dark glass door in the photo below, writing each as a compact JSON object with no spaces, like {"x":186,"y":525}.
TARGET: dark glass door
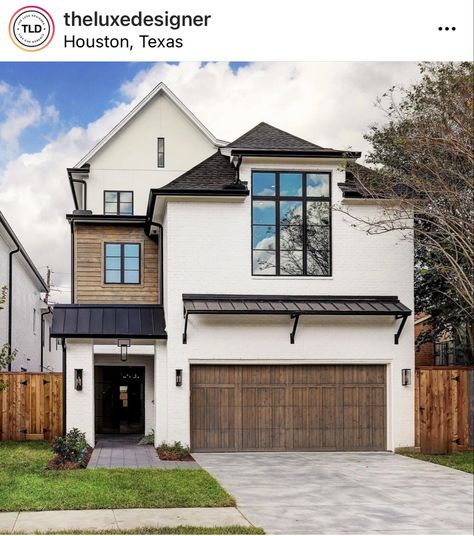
{"x":119,"y":400}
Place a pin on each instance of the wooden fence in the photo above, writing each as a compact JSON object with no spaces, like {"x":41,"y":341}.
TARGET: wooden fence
{"x":444,"y":409}
{"x":31,"y":406}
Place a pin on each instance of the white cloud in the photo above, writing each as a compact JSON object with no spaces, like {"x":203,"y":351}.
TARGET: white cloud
{"x":331,"y":104}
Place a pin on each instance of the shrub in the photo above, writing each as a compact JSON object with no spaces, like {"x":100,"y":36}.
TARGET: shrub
{"x":148,"y":439}
{"x":175,"y":448}
{"x":72,"y":447}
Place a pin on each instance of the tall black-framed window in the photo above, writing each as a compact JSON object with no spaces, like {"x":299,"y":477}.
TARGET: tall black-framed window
{"x":118,"y":202}
{"x":160,"y":152}
{"x":122,"y":263}
{"x":291,"y":223}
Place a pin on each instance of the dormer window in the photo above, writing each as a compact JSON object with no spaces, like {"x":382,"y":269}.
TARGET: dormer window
{"x":161,"y":152}
{"x":291,"y":223}
{"x":118,"y":203}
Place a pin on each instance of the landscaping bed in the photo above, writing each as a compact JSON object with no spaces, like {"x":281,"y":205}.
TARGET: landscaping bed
{"x":174,"y":452}
{"x":27,"y":484}
{"x":463,"y":461}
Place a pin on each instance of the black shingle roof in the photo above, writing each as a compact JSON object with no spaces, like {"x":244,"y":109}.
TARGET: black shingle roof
{"x":216,"y":173}
{"x":264,"y":136}
{"x":110,"y":321}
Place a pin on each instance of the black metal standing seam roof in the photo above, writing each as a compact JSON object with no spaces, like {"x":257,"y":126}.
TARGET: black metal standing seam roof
{"x":294,"y":305}
{"x":109,"y":321}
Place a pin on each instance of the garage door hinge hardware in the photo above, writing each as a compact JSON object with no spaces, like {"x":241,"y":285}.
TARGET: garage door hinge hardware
{"x":24,"y":382}
{"x":45,"y":382}
{"x":456,"y":378}
{"x":400,"y":327}
{"x":24,"y":431}
{"x":45,"y":430}
{"x":457,"y":441}
{"x":295,"y":325}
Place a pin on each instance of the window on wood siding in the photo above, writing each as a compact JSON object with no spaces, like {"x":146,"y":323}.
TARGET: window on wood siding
{"x":118,"y":203}
{"x":161,"y":153}
{"x":291,"y":223}
{"x":122,"y":263}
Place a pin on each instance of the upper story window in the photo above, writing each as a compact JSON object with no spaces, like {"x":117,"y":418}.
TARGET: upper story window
{"x":118,"y":203}
{"x":291,"y":223}
{"x":161,"y":152}
{"x":122,"y":263}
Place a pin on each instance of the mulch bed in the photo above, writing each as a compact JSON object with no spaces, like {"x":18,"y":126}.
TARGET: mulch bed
{"x":55,"y":464}
{"x":168,"y":456}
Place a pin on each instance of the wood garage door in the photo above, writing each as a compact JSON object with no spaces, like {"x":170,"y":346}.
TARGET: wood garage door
{"x":294,"y":407}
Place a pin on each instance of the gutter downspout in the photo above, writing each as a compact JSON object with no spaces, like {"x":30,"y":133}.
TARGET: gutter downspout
{"x":63,"y":344}
{"x":48,"y":312}
{"x":10,"y":300}
{"x":149,"y":223}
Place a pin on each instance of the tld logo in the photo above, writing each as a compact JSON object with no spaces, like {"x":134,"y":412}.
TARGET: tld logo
{"x":31,"y":28}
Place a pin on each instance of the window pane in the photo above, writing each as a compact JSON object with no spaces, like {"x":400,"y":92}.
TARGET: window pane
{"x":125,"y":197}
{"x":317,"y":213}
{"x":111,"y":208}
{"x":161,"y":160}
{"x":291,"y":237}
{"x":126,"y":208}
{"x":112,"y":263}
{"x":291,"y":184}
{"x":291,"y":213}
{"x":317,"y":184}
{"x":291,"y":262}
{"x":131,"y":250}
{"x":317,"y":237}
{"x":110,"y":197}
{"x":131,"y":276}
{"x":318,"y":262}
{"x":264,"y":212}
{"x":161,"y":144}
{"x":264,"y":263}
{"x":112,"y":250}
{"x":263,"y":237}
{"x":263,"y":183}
{"x":131,"y":263}
{"x":112,"y":276}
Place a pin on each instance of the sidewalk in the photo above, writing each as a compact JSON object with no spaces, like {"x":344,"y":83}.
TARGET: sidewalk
{"x":132,"y":518}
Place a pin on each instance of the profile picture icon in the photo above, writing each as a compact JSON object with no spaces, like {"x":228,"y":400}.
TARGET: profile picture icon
{"x":31,"y":28}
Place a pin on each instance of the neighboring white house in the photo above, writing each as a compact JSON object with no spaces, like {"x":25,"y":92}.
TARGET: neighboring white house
{"x":25,"y":320}
{"x":220,"y":298}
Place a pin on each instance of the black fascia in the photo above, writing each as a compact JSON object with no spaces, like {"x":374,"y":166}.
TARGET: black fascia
{"x":230,"y":192}
{"x":297,"y":153}
{"x":106,"y":218}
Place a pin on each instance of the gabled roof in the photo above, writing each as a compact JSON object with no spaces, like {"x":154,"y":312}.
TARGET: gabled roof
{"x":265,"y":139}
{"x":161,"y":88}
{"x":4,"y":223}
{"x":215,"y":174}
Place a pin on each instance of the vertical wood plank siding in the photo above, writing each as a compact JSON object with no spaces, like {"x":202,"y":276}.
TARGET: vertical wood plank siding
{"x":294,"y":407}
{"x":444,"y":409}
{"x":89,"y":240}
{"x":31,"y":406}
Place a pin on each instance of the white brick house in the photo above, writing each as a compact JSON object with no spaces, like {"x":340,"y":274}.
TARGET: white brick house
{"x":221,"y":299}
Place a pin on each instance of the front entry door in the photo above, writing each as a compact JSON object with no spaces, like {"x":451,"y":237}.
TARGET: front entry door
{"x":119,"y":400}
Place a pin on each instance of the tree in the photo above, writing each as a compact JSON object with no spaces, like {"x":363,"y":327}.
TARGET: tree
{"x":424,"y":181}
{"x":6,"y":356}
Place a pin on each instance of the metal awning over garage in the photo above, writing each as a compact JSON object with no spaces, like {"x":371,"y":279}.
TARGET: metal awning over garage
{"x":108,"y":321}
{"x":294,"y":306}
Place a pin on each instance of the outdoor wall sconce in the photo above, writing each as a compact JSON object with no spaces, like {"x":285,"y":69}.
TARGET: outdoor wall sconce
{"x":179,"y":377}
{"x":124,"y":345}
{"x":406,"y":376}
{"x":78,"y":379}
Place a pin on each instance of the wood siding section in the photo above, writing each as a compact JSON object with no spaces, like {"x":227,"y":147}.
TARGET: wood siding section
{"x":31,"y":407}
{"x":89,"y":240}
{"x":444,"y":409}
{"x":294,"y":407}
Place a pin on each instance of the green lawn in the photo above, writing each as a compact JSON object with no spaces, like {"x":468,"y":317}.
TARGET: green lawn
{"x":25,"y":484}
{"x":182,"y":529}
{"x":464,"y":461}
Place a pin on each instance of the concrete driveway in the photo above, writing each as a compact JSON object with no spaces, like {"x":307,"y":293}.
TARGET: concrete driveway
{"x":324,"y":493}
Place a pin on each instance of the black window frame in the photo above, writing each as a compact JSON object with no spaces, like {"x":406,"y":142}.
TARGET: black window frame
{"x":118,"y":192}
{"x":304,"y":198}
{"x":122,"y":257}
{"x":158,"y":153}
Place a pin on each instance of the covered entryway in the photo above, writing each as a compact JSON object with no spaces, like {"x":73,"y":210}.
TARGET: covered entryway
{"x":288,"y":407}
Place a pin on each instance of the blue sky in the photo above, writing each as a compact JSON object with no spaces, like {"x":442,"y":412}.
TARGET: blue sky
{"x":80,"y":92}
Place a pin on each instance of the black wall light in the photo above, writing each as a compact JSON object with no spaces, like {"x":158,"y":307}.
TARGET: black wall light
{"x":124,"y":345}
{"x":179,"y":377}
{"x":78,"y":379}
{"x":406,"y":376}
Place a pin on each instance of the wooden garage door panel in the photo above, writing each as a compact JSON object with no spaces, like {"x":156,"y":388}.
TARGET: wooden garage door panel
{"x":288,"y":407}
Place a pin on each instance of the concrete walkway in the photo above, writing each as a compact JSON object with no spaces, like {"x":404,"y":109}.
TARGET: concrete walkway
{"x":94,"y":520}
{"x":355,"y":493}
{"x":124,"y":451}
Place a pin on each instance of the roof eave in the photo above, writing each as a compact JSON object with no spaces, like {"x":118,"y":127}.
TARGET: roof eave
{"x":296,"y":153}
